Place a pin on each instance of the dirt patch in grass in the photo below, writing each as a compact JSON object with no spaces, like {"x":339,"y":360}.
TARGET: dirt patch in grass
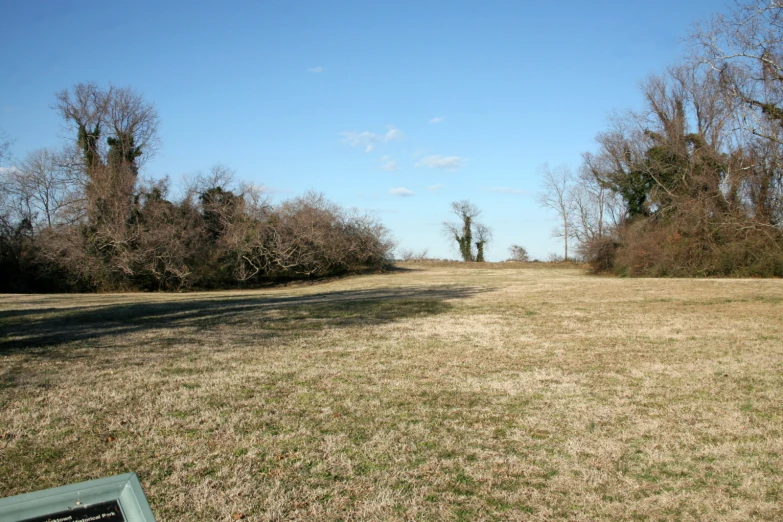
{"x":435,"y":393}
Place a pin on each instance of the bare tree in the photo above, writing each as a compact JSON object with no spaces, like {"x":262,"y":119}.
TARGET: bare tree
{"x":745,"y":46}
{"x":557,"y":195}
{"x":49,"y":188}
{"x":597,"y":211}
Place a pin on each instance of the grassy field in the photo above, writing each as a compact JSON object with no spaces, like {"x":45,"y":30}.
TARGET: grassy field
{"x":436,"y":392}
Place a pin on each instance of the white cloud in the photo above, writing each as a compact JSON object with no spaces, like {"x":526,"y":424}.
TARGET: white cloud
{"x":401,"y":191}
{"x":437,"y":119}
{"x":393,"y":133}
{"x":451,"y":163}
{"x":379,"y":210}
{"x":316,"y":70}
{"x":504,"y":190}
{"x":364,"y":139}
{"x":436,"y":188}
{"x":388,"y":164}
{"x":368,"y":140}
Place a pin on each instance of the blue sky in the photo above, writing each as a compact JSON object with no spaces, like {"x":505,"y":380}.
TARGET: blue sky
{"x":398,"y":108}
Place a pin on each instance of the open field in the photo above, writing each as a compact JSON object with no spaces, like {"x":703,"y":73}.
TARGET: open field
{"x":438,"y":392}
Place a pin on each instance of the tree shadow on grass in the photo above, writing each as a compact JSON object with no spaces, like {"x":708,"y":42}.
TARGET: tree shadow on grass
{"x":38,"y":331}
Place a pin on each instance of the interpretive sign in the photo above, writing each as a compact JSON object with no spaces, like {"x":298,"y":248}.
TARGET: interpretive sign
{"x":104,"y":511}
{"x":110,"y":499}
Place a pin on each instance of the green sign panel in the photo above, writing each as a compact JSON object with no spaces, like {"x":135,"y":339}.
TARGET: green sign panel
{"x":110,"y":499}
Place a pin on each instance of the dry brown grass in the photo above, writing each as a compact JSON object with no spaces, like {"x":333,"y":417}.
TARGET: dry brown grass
{"x":443,"y":392}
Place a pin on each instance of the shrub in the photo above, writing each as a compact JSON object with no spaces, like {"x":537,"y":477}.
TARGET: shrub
{"x":599,"y":253}
{"x":518,"y":253}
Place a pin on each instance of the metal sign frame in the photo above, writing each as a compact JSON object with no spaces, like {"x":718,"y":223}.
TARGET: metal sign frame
{"x":124,"y":489}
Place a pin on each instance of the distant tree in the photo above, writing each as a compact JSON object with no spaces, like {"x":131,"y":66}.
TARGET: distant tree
{"x":483,"y":236}
{"x":466,"y":229}
{"x":518,"y":253}
{"x":462,"y":232}
{"x":408,"y":254}
{"x":554,"y":257}
{"x":557,"y":195}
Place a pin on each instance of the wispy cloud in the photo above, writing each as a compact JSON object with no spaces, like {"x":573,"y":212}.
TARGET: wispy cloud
{"x":316,"y":70}
{"x":436,"y":188}
{"x":504,"y":190}
{"x":437,"y":119}
{"x":450,"y":163}
{"x":364,"y":139}
{"x":401,"y":191}
{"x":368,"y":140}
{"x":388,"y":164}
{"x":379,"y":210}
{"x":393,"y":133}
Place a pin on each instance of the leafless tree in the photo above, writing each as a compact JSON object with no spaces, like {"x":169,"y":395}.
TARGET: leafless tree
{"x":745,"y":47}
{"x":49,"y":189}
{"x":596,"y":209}
{"x":557,"y":195}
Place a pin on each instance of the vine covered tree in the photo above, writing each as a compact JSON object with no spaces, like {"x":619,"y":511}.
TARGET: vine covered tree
{"x":483,"y":236}
{"x":129,"y":125}
{"x":464,"y":231}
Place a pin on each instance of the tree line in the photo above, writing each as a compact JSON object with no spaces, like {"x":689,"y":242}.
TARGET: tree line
{"x":82,"y":219}
{"x":691,"y":184}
